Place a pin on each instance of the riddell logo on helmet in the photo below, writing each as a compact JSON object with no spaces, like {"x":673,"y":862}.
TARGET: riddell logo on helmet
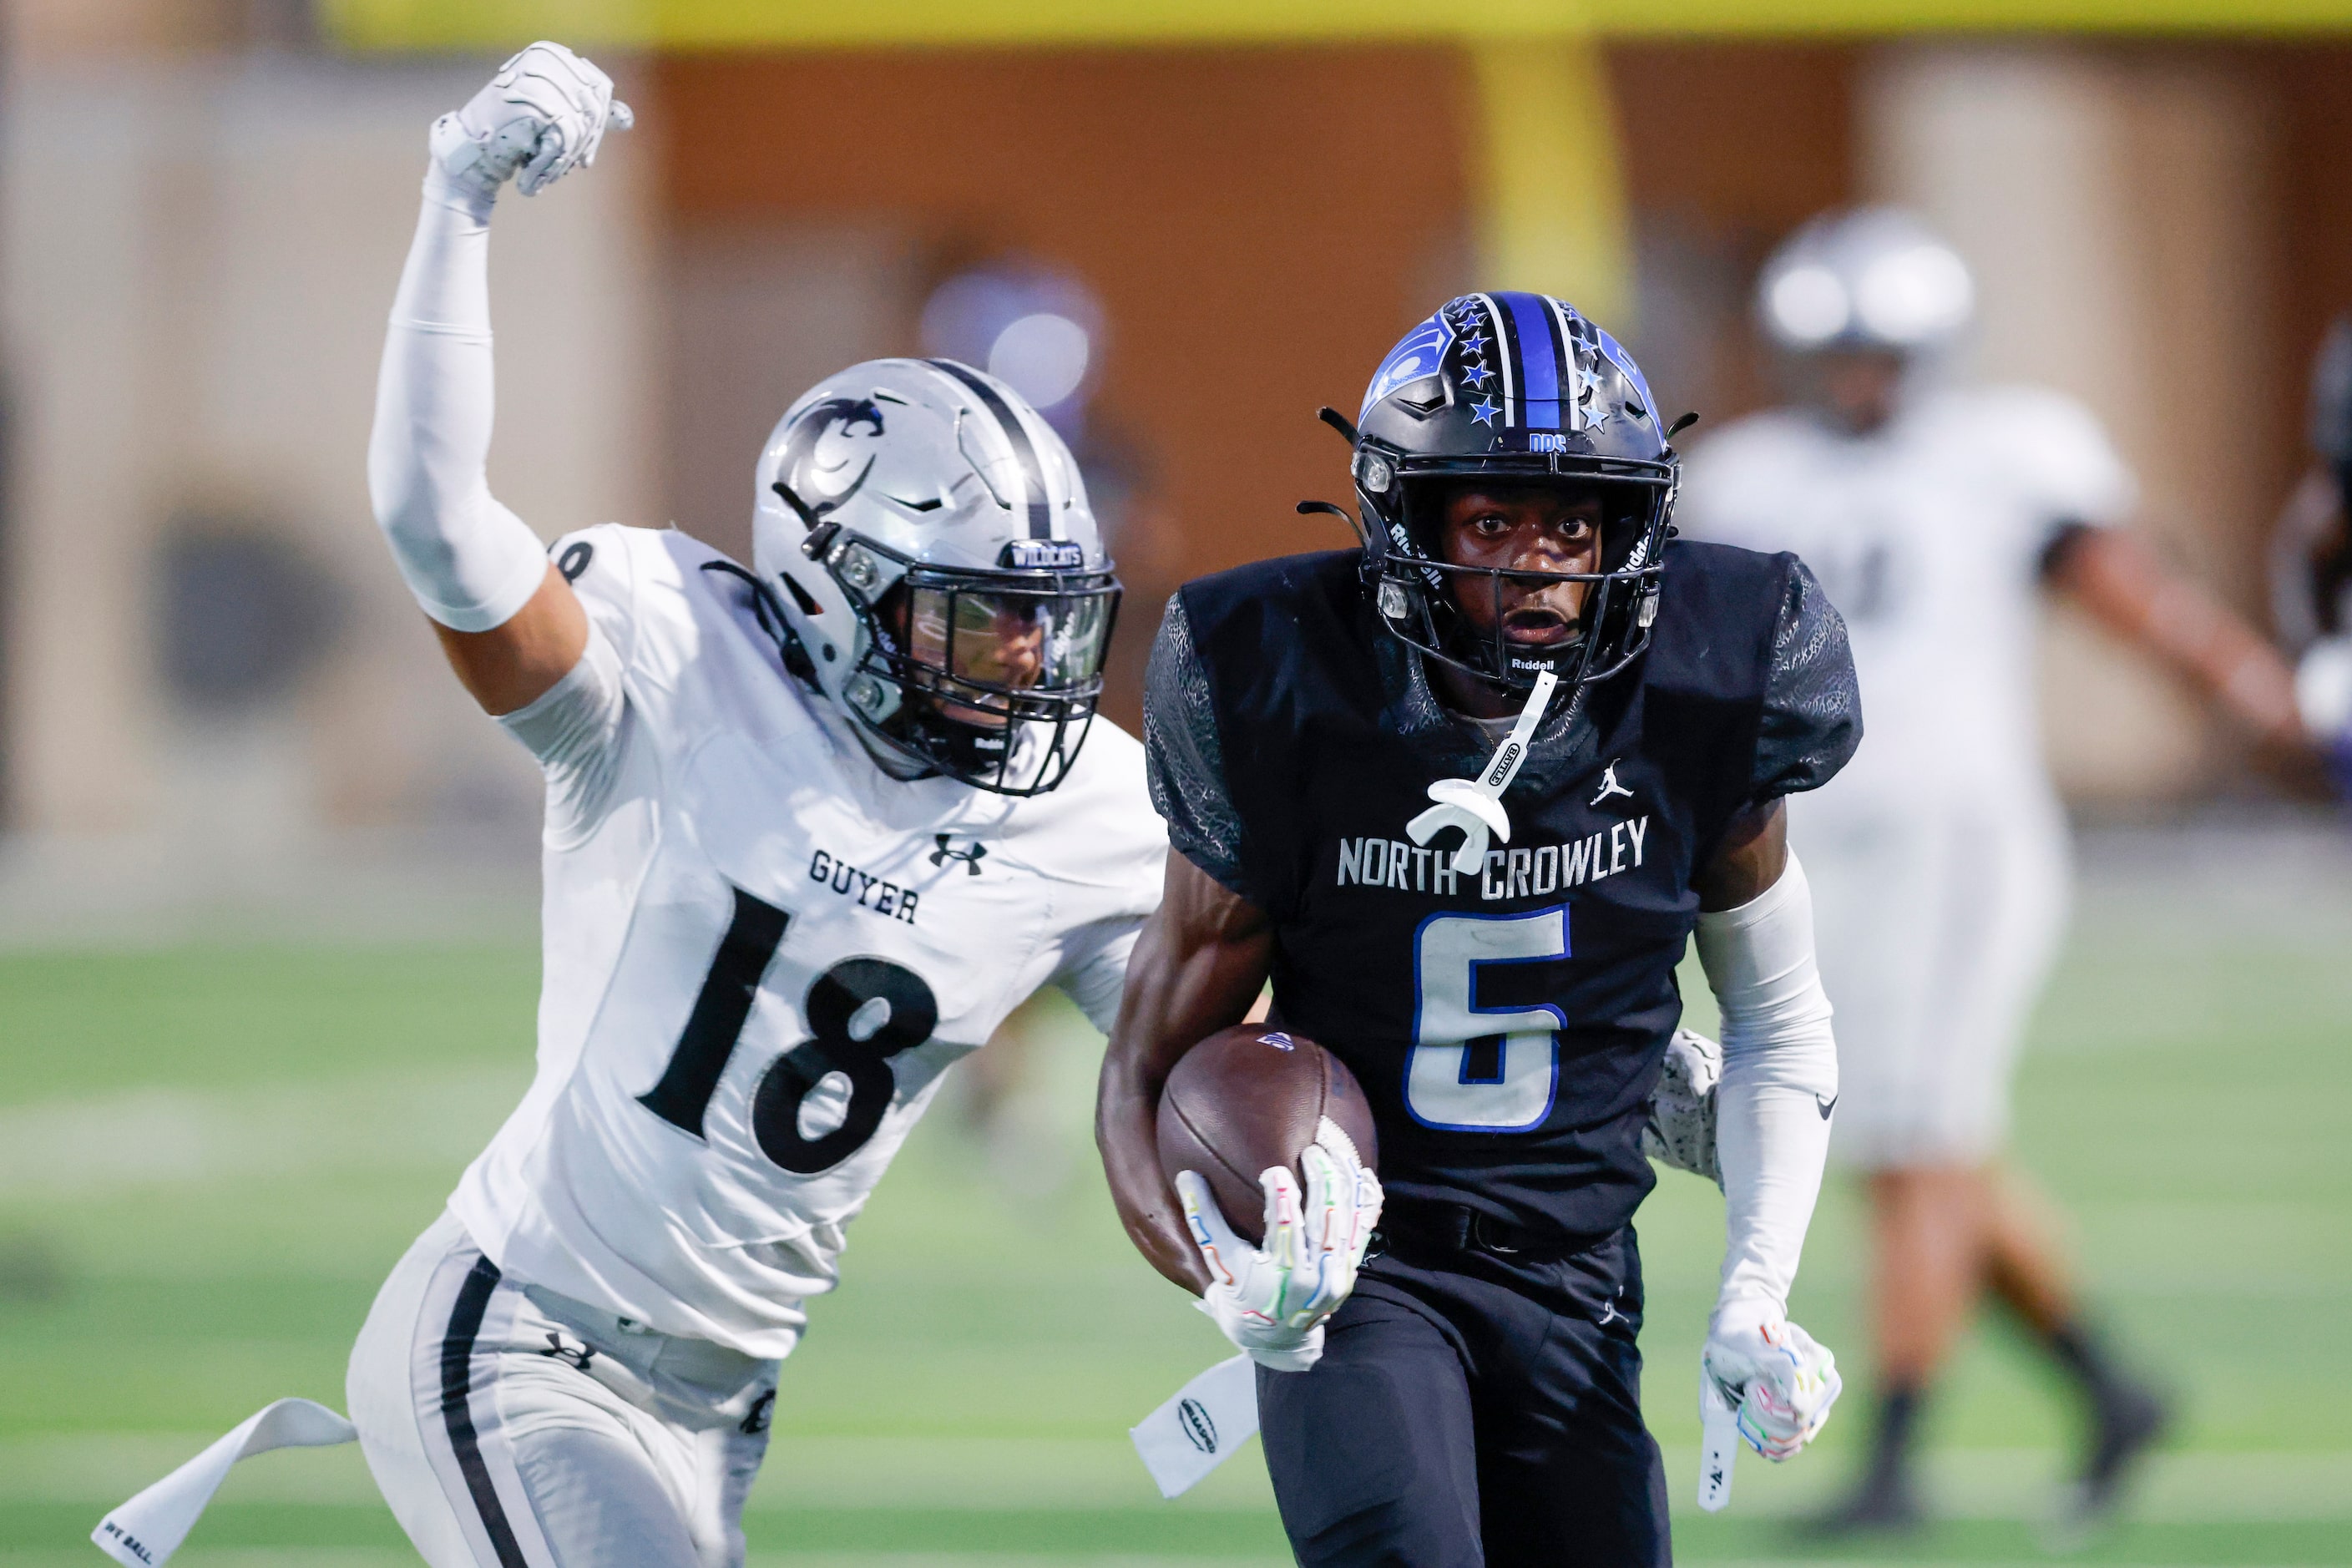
{"x":1046,"y":554}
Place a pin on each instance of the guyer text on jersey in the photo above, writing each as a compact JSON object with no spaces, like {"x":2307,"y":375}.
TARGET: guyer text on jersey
{"x":865,"y":890}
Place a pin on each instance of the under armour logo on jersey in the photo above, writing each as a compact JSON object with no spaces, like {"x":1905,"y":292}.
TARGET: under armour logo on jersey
{"x":1609,"y":787}
{"x":576,"y":1355}
{"x":971,"y":858}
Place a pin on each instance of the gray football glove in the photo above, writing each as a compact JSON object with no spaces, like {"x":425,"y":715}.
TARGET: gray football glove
{"x":1681,"y":1129}
{"x":543,"y":115}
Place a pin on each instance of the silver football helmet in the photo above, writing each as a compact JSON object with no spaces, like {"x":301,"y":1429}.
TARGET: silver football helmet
{"x":1874,"y":277}
{"x":929,"y":541}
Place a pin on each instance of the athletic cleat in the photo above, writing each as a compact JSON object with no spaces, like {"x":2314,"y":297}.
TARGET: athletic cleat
{"x":2131,"y":1422}
{"x":1881,"y":1505}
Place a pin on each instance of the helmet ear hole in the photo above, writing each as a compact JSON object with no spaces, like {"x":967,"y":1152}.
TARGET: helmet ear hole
{"x":801,"y":596}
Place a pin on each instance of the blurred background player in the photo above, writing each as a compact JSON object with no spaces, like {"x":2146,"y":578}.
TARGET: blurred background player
{"x":1933,"y":512}
{"x":2311,"y":561}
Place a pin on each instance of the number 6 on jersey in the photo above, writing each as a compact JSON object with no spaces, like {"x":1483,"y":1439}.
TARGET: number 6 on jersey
{"x":1454,"y":1079}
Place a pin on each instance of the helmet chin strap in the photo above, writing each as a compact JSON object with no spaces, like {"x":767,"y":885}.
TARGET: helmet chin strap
{"x":1476,"y":806}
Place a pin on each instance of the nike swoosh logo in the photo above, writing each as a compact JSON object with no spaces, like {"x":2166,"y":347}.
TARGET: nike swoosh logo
{"x":1827,"y":1105}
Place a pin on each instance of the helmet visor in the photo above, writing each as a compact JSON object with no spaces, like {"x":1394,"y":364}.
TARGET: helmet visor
{"x":1012,"y":641}
{"x":998,"y":672}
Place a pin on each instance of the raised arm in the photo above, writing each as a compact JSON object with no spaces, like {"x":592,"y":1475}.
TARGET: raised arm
{"x":1198,"y":967}
{"x":508,"y":622}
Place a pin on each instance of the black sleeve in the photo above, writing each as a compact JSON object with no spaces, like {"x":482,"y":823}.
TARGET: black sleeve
{"x":1182,"y":756}
{"x":1813,"y":708}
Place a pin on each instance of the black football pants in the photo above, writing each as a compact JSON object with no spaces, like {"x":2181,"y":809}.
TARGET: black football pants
{"x":1472,"y":1409}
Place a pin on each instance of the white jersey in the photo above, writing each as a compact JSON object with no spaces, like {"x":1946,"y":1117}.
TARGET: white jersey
{"x":1928,"y":535}
{"x":761,"y":955}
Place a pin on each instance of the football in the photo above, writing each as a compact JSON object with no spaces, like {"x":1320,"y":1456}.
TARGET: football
{"x":1248,"y":1098}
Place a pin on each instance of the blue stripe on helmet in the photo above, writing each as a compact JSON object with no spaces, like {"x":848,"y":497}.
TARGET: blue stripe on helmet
{"x":1538,"y":348}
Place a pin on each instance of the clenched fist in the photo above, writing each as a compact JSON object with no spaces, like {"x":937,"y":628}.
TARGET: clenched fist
{"x":1778,"y":1378}
{"x":542,"y":116}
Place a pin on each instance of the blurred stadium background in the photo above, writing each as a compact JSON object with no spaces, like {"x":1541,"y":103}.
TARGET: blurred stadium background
{"x":267,"y":882}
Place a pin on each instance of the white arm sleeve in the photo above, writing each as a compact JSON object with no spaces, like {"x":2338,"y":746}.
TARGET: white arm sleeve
{"x":574,"y":729}
{"x":1779,"y":1082}
{"x":470,"y":562}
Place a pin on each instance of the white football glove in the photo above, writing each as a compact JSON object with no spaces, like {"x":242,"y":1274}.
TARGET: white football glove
{"x":542,"y":116}
{"x":1271,"y":1299}
{"x":1773,"y":1374}
{"x":1681,"y":1129}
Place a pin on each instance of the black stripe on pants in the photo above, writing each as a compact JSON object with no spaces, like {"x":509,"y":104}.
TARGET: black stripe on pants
{"x":458,"y":1410}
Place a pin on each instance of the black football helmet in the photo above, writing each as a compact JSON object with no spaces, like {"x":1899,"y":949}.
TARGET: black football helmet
{"x":1518,"y":386}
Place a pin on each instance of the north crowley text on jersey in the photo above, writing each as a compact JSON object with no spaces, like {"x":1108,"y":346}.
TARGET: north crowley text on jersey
{"x":1527,"y":871}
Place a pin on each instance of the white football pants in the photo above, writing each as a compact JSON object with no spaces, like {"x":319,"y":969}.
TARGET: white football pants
{"x":511,"y":1428}
{"x":1935,"y":922}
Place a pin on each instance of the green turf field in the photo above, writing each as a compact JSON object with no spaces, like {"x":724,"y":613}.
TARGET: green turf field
{"x":209,"y":1156}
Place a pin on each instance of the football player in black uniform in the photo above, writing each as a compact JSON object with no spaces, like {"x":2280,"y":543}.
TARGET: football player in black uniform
{"x":1464,"y":794}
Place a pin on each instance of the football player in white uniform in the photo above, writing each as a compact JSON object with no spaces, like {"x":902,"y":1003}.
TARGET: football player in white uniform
{"x":2311,"y":561}
{"x":1932,"y":512}
{"x":813,"y":830}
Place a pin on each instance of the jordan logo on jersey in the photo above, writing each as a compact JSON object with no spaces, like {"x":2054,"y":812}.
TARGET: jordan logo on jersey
{"x":1609,"y":787}
{"x":971,"y":858}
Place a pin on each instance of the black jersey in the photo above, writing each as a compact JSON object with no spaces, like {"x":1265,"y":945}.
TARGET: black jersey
{"x":1508,"y":1025}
